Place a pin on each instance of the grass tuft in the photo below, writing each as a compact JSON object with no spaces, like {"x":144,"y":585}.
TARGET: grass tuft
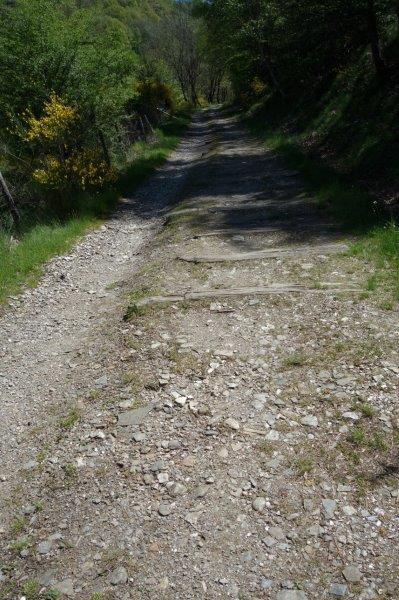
{"x":31,"y":590}
{"x":303,"y":466}
{"x":70,"y":419}
{"x":296,"y":359}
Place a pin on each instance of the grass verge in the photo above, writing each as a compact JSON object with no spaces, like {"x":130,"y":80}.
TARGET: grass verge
{"x":354,"y":208}
{"x":21,"y":260}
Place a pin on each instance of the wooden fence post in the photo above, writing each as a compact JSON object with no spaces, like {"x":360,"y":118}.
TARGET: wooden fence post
{"x":16,"y":216}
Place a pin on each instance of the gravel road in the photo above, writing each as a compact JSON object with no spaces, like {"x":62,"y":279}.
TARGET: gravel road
{"x":200,"y":400}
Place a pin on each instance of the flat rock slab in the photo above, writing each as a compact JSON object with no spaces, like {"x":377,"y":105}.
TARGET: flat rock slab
{"x":266,"y":254}
{"x":278,"y":288}
{"x":134,"y":417}
{"x":291,"y":595}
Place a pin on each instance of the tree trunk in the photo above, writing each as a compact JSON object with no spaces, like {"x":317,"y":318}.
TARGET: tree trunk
{"x":104,"y":147}
{"x":375,"y":44}
{"x":267,"y":68}
{"x":16,"y":216}
{"x":396,"y":2}
{"x":147,"y":120}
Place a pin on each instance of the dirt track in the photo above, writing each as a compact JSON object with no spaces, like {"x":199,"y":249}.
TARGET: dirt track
{"x":237,"y":437}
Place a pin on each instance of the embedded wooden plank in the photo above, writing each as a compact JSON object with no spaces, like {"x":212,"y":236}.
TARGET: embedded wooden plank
{"x":283,"y":288}
{"x":265,"y":254}
{"x":256,"y":230}
{"x":276,"y":204}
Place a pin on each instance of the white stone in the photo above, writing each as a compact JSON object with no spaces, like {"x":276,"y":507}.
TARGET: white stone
{"x":310,"y":421}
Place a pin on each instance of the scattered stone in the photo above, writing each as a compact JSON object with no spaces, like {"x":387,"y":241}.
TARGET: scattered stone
{"x":308,"y":504}
{"x":134,"y":417}
{"x":164,"y":510}
{"x":157,"y":466}
{"x":192,"y":517}
{"x":232,"y":424}
{"x":315,"y":530}
{"x":65,"y":587}
{"x":266,"y":584}
{"x":269,"y":541}
{"x":224,"y":353}
{"x":138,"y":437}
{"x":29,"y":510}
{"x":329,"y":506}
{"x":178,"y":489}
{"x":349,"y":511}
{"x":259,"y":401}
{"x":44,"y":547}
{"x":273,"y":436}
{"x":101,"y":382}
{"x":291,"y":595}
{"x":352,"y":574}
{"x":351,"y":416}
{"x":163,"y":584}
{"x":118,"y":576}
{"x":338,"y":590}
{"x":125,"y":404}
{"x":344,"y":488}
{"x":30,"y":465}
{"x":277,"y":533}
{"x":259,"y":504}
{"x":163,"y":478}
{"x":201,"y":491}
{"x":174,"y":444}
{"x":223,"y":453}
{"x":310,"y":421}
{"x":179,"y":400}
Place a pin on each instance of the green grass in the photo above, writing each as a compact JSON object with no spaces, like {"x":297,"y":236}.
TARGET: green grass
{"x":31,"y":590}
{"x":22,"y":264}
{"x":296,"y":359}
{"x":69,"y":420}
{"x":303,"y":466}
{"x":41,"y":238}
{"x":19,"y":545}
{"x":381,"y":246}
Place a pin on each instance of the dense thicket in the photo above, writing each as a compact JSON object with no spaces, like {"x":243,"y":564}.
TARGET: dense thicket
{"x":330,"y":66}
{"x":294,"y":47}
{"x":81,"y":80}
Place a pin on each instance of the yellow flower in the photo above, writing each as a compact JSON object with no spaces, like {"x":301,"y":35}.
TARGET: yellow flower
{"x":56,"y":120}
{"x":84,"y":168}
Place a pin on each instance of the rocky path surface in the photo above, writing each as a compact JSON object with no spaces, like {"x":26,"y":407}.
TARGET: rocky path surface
{"x":207,"y":409}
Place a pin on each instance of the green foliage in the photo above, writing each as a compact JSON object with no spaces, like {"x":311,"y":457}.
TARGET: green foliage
{"x":75,"y":76}
{"x":324,"y":77}
{"x":21,"y":263}
{"x":296,"y":46}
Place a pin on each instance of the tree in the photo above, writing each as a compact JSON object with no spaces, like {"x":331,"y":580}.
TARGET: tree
{"x":174,"y":42}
